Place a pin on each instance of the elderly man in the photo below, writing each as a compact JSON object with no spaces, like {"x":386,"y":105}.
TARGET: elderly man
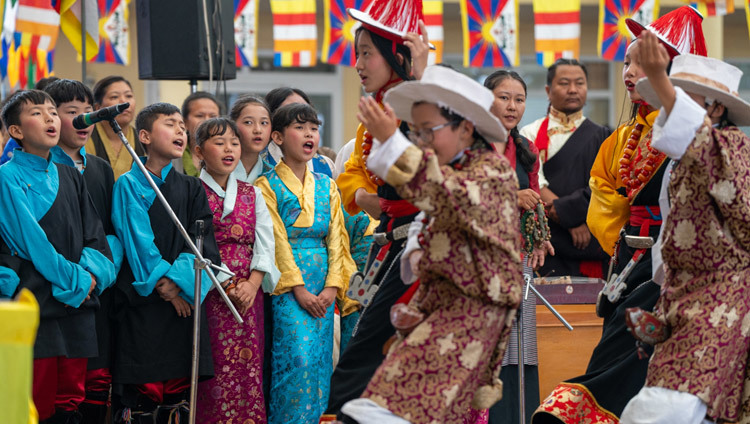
{"x":568,"y":143}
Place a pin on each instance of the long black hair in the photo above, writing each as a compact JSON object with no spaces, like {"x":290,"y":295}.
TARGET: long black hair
{"x":526,"y":157}
{"x":386,"y":49}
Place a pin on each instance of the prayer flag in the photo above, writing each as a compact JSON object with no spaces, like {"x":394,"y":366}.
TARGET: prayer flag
{"x":245,"y":32}
{"x":295,"y":34}
{"x":433,"y":20}
{"x":70,"y":24}
{"x":114,"y":32}
{"x":614,"y":35}
{"x":557,"y":30}
{"x":338,"y":38}
{"x":490,"y":32}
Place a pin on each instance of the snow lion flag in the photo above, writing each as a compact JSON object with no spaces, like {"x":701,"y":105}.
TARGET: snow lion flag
{"x":490,"y":30}
{"x":246,"y":32}
{"x":614,"y":35}
{"x":338,"y":40}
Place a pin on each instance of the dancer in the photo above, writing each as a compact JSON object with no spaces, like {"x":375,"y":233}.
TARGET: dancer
{"x":236,"y":391}
{"x":385,"y":58}
{"x":699,"y":373}
{"x":625,"y":186}
{"x":312,"y":253}
{"x":470,"y":273}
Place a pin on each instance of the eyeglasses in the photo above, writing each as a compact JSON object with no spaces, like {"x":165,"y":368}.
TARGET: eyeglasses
{"x":427,"y":134}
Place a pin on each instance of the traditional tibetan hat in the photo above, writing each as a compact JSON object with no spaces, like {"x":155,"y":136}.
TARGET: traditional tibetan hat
{"x":708,"y":77}
{"x":679,"y":30}
{"x":391,"y":19}
{"x":454,"y":91}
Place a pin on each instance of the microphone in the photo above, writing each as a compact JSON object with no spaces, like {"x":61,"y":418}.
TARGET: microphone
{"x":86,"y":120}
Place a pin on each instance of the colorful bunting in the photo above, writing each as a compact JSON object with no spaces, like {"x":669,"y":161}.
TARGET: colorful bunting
{"x":338,"y":38}
{"x":557,"y":30}
{"x":294,"y":32}
{"x":70,"y":24}
{"x":433,"y":20}
{"x":245,"y":32}
{"x":714,"y":7}
{"x":614,"y":35}
{"x":490,"y":30}
{"x":114,"y":32}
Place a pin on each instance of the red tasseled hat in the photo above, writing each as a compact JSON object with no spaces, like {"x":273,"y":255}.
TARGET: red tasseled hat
{"x":680,"y":30}
{"x":391,"y":19}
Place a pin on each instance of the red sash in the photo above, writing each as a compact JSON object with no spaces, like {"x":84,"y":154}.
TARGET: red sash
{"x":542,"y":139}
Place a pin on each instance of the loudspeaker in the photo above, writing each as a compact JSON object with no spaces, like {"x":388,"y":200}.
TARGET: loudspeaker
{"x":172,"y":41}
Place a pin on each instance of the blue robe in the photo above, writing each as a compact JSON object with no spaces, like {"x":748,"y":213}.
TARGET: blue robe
{"x":302,"y":345}
{"x":52,"y":244}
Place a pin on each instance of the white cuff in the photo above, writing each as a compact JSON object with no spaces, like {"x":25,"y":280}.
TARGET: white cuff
{"x":384,"y":155}
{"x":412,"y":244}
{"x":673,"y":134}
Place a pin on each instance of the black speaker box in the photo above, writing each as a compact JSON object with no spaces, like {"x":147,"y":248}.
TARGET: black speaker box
{"x":172,"y":41}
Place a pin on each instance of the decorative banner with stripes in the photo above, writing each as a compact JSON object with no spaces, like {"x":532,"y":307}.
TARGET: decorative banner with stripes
{"x":557,"y":30}
{"x":490,"y":30}
{"x":114,"y":32}
{"x":37,"y":26}
{"x":714,"y":7}
{"x":433,"y":20}
{"x":70,"y":24}
{"x":338,"y":38}
{"x":246,"y":32}
{"x":614,"y":35}
{"x":295,"y":34}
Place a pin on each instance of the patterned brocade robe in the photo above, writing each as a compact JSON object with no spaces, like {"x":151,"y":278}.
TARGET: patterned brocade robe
{"x":705,"y":296}
{"x":471,"y":280}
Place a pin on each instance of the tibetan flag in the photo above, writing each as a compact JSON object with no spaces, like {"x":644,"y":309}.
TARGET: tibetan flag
{"x":490,"y":30}
{"x":295,"y":34}
{"x":614,"y":35}
{"x":714,"y":7}
{"x":433,"y":20}
{"x":38,"y":18}
{"x":70,"y":24}
{"x":246,"y":32}
{"x":114,"y":32}
{"x":557,"y":30}
{"x":6,"y":37}
{"x":338,"y":39}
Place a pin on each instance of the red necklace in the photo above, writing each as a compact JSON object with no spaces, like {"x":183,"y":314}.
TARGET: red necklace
{"x":366,"y":148}
{"x":632,"y":175}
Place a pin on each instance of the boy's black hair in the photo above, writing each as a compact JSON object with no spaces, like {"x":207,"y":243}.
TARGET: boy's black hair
{"x":213,"y":127}
{"x":14,"y":105}
{"x":43,"y":83}
{"x":525,"y":156}
{"x":149,"y":114}
{"x":276,"y":97}
{"x":386,"y":49}
{"x":197,"y":96}
{"x":67,"y":90}
{"x":293,"y":113}
{"x":100,"y":88}
{"x":247,"y":99}
{"x":552,"y":70}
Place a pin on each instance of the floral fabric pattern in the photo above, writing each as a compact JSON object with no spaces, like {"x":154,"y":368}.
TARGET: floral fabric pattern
{"x":235,"y":394}
{"x":707,"y":255}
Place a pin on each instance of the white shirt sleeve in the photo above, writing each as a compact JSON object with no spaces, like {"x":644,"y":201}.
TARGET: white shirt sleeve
{"x":412,"y":244}
{"x":673,"y":134}
{"x":264,"y":248}
{"x":384,"y":155}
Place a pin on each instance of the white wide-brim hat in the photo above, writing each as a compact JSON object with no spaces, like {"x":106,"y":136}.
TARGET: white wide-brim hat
{"x":454,"y":91}
{"x":707,"y":77}
{"x":389,"y":32}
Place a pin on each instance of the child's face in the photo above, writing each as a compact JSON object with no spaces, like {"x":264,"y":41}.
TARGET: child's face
{"x":632,"y":72}
{"x":69,"y":136}
{"x":220,"y":153}
{"x":167,"y":138}
{"x":116,"y":93}
{"x":200,"y":110}
{"x":299,"y":141}
{"x":39,"y":128}
{"x":374,"y":72}
{"x":445,"y":141}
{"x":254,"y":127}
{"x":510,"y":102}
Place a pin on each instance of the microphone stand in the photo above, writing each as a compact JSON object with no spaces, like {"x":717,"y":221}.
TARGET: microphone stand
{"x":201,"y":264}
{"x":519,"y":335}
